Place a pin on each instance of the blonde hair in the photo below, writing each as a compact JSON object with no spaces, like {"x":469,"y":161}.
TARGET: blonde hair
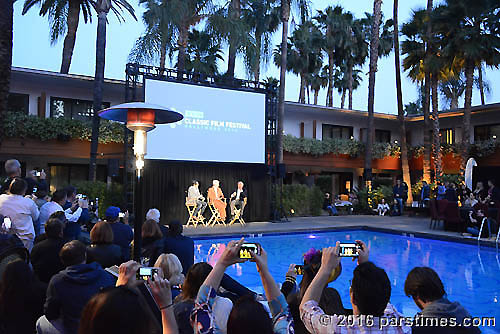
{"x":171,"y":267}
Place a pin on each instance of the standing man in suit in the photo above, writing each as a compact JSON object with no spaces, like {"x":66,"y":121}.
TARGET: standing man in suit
{"x":216,"y":197}
{"x":194,"y":197}
{"x":238,"y":198}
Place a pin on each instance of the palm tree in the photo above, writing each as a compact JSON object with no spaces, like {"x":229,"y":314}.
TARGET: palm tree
{"x":341,"y":81}
{"x":414,"y":47}
{"x":304,"y":54}
{"x":102,"y":7}
{"x":202,"y":53}
{"x":401,"y":114}
{"x":6,"y":24}
{"x":473,"y":36}
{"x":64,"y":17}
{"x":285,"y":16}
{"x":263,"y":18}
{"x":452,"y":89}
{"x":335,"y":24}
{"x":316,"y":81}
{"x":157,"y":39}
{"x":374,"y":45}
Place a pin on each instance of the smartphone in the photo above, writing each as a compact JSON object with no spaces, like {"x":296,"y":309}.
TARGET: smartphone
{"x":145,"y":273}
{"x":299,"y":269}
{"x":121,"y":214}
{"x":81,"y":196}
{"x":7,"y":223}
{"x":247,"y":247}
{"x":35,"y":189}
{"x":38,"y":173}
{"x":349,"y":250}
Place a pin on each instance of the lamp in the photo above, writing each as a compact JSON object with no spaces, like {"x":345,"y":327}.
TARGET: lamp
{"x":140,"y":118}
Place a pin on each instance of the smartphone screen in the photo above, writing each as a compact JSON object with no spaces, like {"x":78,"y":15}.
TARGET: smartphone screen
{"x":7,"y":223}
{"x":144,"y":273}
{"x":349,"y":250}
{"x":121,"y":214}
{"x":299,"y":269}
{"x":247,"y":247}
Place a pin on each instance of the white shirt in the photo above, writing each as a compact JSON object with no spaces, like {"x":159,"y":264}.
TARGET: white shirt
{"x":50,"y":207}
{"x":384,"y":206}
{"x":22,"y":212}
{"x":238,"y":192}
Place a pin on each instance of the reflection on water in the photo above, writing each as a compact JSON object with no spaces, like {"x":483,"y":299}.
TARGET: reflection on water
{"x":470,"y":275}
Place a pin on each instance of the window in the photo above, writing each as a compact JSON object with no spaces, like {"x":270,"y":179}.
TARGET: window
{"x":72,"y":108}
{"x":18,"y":103}
{"x":337,"y":132}
{"x":381,"y":136}
{"x":486,"y":132}
{"x":447,"y":136}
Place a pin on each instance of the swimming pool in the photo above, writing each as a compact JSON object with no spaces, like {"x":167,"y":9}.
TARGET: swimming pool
{"x":471,"y":275}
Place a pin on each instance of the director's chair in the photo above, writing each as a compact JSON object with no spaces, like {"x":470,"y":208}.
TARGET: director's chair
{"x":238,"y":214}
{"x":191,"y":207}
{"x":215,"y":217}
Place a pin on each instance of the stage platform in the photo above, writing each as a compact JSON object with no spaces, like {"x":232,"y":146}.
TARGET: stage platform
{"x":416,"y":226}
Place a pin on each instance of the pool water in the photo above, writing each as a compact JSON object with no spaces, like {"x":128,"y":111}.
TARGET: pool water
{"x":471,"y":275}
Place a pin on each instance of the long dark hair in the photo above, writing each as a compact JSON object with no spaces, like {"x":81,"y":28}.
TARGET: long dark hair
{"x":116,"y":310}
{"x":195,"y":277}
{"x":248,"y":316}
{"x":17,"y":289}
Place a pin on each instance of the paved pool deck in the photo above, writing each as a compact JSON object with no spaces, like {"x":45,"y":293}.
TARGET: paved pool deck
{"x":417,"y":226}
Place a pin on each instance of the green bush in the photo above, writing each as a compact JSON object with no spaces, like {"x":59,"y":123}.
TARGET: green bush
{"x":320,"y":147}
{"x":107,"y":196}
{"x":368,"y":200}
{"x":303,"y":200}
{"x":19,"y":125}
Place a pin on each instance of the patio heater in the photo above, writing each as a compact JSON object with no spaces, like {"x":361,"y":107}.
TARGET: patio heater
{"x":140,"y":118}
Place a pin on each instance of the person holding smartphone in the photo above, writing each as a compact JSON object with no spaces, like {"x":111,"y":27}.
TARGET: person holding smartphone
{"x":239,"y":320}
{"x":370,"y":292}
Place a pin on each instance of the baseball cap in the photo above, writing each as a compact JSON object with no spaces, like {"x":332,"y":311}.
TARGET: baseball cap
{"x":112,"y":212}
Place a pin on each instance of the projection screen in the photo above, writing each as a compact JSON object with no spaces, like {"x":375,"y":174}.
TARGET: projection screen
{"x":219,"y":125}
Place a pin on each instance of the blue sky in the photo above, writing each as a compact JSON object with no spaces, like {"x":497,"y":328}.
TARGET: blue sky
{"x":32,"y":49}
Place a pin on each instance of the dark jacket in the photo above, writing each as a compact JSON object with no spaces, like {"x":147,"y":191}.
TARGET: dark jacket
{"x":425,"y":193}
{"x":107,"y":255}
{"x":451,"y":195}
{"x":123,"y":236}
{"x":41,"y":184}
{"x":443,"y":308}
{"x":45,"y":258}
{"x":243,"y":194}
{"x":183,"y":248}
{"x":152,"y":249}
{"x":70,"y":290}
{"x":399,"y":191}
{"x":22,"y":321}
{"x":326,"y":203}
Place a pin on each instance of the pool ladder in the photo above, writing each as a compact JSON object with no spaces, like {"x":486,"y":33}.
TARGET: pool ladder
{"x":485,"y":219}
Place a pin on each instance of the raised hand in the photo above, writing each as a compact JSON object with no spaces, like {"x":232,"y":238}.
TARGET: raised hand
{"x":127,"y":273}
{"x":231,"y":254}
{"x":330,"y":258}
{"x":364,"y":252}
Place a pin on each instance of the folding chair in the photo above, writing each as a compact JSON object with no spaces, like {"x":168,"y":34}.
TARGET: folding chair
{"x":191,"y":207}
{"x":238,"y":214}
{"x":195,"y":220}
{"x":215,"y":217}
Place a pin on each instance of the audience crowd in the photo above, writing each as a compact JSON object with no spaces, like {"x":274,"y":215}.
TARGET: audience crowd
{"x":54,"y":281}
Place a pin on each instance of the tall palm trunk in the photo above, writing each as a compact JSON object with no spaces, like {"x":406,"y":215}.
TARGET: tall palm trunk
{"x":349,"y":84}
{"x":103,"y":7}
{"x":302,"y":89}
{"x":426,"y":104}
{"x":454,"y":102}
{"x":401,"y":114}
{"x":6,"y":24}
{"x":436,"y":147}
{"x":163,"y":52}
{"x":466,"y":137}
{"x":285,"y":16}
{"x":329,"y":99}
{"x":258,"y":41}
{"x":308,"y":94}
{"x":481,"y":84}
{"x":235,"y":14}
{"x":69,"y":40}
{"x":182,"y":43}
{"x":316,"y":93}
{"x":374,"y":42}
{"x":342,"y":99}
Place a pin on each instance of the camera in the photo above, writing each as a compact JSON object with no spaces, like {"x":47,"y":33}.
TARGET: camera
{"x":145,"y":273}
{"x":349,"y":249}
{"x":81,"y":196}
{"x":121,"y":215}
{"x":247,"y":247}
{"x":299,"y":269}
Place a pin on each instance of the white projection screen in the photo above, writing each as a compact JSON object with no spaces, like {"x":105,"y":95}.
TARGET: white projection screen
{"x":219,"y":125}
